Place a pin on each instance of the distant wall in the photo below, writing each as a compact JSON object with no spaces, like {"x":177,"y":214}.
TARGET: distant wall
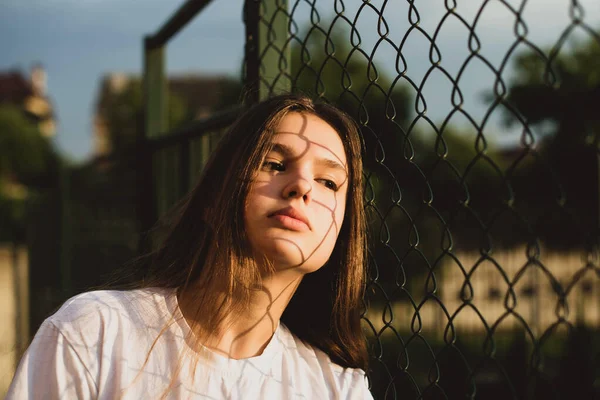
{"x":536,"y":300}
{"x":14,"y":318}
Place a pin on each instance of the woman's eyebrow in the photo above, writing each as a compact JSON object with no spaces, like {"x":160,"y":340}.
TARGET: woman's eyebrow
{"x":284,"y":150}
{"x":288,"y":152}
{"x":329,"y":163}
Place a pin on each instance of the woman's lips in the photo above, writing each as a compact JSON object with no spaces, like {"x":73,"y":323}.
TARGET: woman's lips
{"x":291,"y":219}
{"x":290,"y":223}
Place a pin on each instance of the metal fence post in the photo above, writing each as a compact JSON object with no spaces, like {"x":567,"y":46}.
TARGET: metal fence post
{"x":66,"y":227}
{"x":268,"y":50}
{"x":155,"y":90}
{"x":155,"y":122}
{"x":251,"y":52}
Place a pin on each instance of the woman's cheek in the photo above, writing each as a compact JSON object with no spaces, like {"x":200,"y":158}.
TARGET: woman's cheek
{"x":335,"y":212}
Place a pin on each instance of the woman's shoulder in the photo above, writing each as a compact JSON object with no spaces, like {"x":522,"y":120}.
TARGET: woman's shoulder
{"x":90,"y":309}
{"x":316,"y":361}
{"x":93,"y":337}
{"x":306,"y":350}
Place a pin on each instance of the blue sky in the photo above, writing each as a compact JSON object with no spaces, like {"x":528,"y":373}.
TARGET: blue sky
{"x":78,"y":41}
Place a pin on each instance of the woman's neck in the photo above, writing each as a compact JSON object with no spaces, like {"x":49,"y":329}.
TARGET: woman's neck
{"x":246,"y":333}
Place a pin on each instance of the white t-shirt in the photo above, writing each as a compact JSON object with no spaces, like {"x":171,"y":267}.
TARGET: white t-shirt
{"x":97,"y":346}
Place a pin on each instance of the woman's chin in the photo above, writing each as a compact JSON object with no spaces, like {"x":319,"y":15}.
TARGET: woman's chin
{"x":286,"y":255}
{"x":287,"y":252}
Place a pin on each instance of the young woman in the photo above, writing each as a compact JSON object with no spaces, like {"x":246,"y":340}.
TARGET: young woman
{"x":255,"y":292}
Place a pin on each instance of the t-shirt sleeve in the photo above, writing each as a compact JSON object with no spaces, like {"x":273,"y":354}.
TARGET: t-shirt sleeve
{"x":359,"y":387}
{"x":52,"y":368}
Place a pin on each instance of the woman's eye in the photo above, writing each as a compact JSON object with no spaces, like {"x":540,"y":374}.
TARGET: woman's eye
{"x":273,"y":166}
{"x":329,"y":184}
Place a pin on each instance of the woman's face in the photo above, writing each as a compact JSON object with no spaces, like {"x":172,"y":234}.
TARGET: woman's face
{"x":296,"y":202}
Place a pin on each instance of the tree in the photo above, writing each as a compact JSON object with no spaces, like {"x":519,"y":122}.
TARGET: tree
{"x":562,"y":91}
{"x":404,"y":165}
{"x":27,"y":162}
{"x":124,"y":114}
{"x":325,"y":64}
{"x":328,"y":66}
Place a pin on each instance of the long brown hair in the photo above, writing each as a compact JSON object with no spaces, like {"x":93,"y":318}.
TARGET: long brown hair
{"x":206,"y":245}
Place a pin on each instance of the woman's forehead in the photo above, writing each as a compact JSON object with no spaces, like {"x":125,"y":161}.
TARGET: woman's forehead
{"x":303,"y":133}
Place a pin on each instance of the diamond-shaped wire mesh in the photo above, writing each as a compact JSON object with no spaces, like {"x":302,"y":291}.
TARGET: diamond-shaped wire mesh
{"x":481,"y":127}
{"x":481,"y":130}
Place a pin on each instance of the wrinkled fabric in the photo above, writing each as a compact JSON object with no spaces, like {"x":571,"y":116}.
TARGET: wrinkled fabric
{"x":134,"y":345}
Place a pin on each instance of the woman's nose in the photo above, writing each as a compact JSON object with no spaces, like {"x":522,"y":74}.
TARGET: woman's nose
{"x":298,"y":188}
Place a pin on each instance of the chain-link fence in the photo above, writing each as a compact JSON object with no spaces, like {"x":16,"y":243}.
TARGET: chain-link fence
{"x":85,"y":232}
{"x":481,"y":161}
{"x":481,"y":133}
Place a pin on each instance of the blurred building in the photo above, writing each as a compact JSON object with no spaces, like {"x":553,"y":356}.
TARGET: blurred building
{"x":29,"y":93}
{"x":201,"y":94}
{"x":14,"y":303}
{"x":505,"y":291}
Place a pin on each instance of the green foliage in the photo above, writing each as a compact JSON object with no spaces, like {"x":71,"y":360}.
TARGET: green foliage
{"x":405,"y":164}
{"x":232,"y":92}
{"x":580,"y":364}
{"x":124,"y":114}
{"x":326,"y":65}
{"x":23,"y":151}
{"x":12,"y":219}
{"x":562,"y":91}
{"x":576,"y":66}
{"x":27,"y":162}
